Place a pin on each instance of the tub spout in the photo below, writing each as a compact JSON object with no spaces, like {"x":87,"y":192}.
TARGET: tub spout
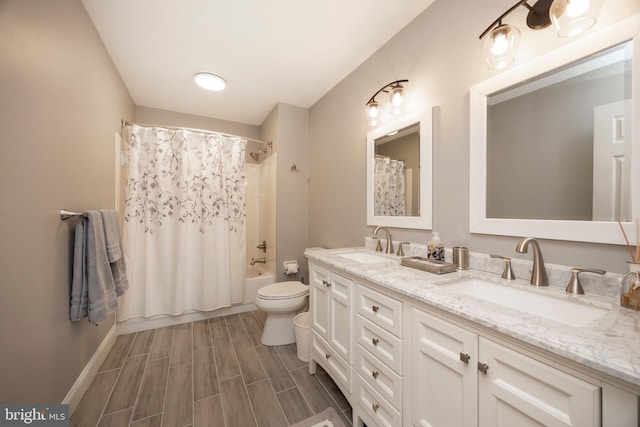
{"x":254,"y":261}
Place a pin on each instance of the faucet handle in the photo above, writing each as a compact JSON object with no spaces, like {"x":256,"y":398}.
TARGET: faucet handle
{"x":378,"y":244}
{"x":574,"y":286}
{"x":507,"y":273}
{"x":400,"y":250}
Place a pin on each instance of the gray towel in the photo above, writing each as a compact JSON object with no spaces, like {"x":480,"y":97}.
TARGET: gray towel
{"x":94,"y":288}
{"x":113,"y":242}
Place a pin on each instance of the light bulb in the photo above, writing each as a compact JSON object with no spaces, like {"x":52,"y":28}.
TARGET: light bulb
{"x":500,"y":43}
{"x":396,"y":99}
{"x":500,"y":46}
{"x":577,"y":7}
{"x":573,"y":17}
{"x":372,"y":110}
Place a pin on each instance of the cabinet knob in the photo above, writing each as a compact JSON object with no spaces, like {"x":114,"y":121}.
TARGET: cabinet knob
{"x":483,"y":367}
{"x":327,"y":356}
{"x":375,"y":341}
{"x":375,"y":308}
{"x":374,"y":407}
{"x":327,"y":284}
{"x":375,"y":374}
{"x":464,"y":358}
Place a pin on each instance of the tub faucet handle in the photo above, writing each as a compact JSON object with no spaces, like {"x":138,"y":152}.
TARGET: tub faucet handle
{"x":263,"y":246}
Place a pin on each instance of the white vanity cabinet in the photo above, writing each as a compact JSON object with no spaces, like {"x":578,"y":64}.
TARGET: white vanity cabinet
{"x":331,"y":306}
{"x":379,"y":364}
{"x":403,"y":362}
{"x":461,"y":379}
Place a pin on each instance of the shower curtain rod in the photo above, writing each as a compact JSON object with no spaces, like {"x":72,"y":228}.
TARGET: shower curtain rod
{"x":125,"y":123}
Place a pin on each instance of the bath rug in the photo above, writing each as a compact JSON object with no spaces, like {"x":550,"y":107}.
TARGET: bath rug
{"x":327,"y":418}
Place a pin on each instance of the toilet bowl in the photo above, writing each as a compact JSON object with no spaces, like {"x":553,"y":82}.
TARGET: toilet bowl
{"x":281,"y":301}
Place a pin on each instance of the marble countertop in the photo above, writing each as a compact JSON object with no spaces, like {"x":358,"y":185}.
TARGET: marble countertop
{"x":610,"y":344}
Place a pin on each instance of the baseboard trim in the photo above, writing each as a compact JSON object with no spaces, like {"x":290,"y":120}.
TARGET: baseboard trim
{"x":83,"y":381}
{"x":141,"y":324}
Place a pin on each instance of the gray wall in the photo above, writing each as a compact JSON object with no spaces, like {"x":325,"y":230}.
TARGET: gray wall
{"x":292,"y":189}
{"x":440,"y":70}
{"x":154,"y":116}
{"x":61,"y":105}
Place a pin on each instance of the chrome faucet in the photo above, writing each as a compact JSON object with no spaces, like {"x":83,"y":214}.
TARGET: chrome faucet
{"x":389,"y":248}
{"x":255,"y":261}
{"x":538,"y":273}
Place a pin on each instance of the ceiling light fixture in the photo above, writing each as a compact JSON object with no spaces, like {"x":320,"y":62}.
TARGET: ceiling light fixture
{"x":570,"y":17}
{"x":210,"y":81}
{"x":396,"y":102}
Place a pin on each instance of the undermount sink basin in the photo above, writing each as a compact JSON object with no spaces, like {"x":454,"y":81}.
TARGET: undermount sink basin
{"x":365,"y":257}
{"x":550,"y":307}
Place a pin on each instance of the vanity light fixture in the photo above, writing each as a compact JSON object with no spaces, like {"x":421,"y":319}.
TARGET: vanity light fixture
{"x":570,"y":17}
{"x":210,"y":81}
{"x":396,"y":102}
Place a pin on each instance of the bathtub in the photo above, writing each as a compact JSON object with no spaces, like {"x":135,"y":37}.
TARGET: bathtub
{"x":257,"y":277}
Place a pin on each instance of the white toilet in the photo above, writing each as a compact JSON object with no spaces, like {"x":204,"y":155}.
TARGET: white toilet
{"x":281,"y":301}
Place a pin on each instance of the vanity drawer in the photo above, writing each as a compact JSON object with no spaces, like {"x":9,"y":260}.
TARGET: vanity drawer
{"x":339,"y":370}
{"x":376,"y":410}
{"x":379,"y":376}
{"x":380,"y":309}
{"x":380,"y":343}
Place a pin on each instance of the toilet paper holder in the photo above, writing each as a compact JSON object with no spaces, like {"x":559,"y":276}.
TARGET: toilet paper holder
{"x":291,"y":267}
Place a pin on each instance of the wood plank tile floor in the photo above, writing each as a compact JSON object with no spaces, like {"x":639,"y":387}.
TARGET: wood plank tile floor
{"x":208,"y":373}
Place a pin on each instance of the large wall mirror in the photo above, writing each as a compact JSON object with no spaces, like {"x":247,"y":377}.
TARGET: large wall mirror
{"x":399,"y":173}
{"x":554,"y":143}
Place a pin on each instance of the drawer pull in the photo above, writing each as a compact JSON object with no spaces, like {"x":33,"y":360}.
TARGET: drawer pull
{"x":375,"y":374}
{"x":327,"y":284}
{"x":483,"y":367}
{"x":327,"y":356}
{"x":374,"y":407}
{"x":375,"y":308}
{"x":375,"y":341}
{"x":464,"y":358}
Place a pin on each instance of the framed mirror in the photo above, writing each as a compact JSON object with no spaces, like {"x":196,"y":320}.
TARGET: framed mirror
{"x":399,"y":173}
{"x":554,"y":143}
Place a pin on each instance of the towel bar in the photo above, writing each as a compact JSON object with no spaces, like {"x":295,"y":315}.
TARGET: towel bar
{"x":65,"y":214}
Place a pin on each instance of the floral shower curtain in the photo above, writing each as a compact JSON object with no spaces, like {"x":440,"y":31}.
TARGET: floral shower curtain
{"x":184,"y":221}
{"x":389,"y":187}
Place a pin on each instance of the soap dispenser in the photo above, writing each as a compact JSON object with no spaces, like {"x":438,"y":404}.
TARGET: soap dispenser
{"x":435,"y":249}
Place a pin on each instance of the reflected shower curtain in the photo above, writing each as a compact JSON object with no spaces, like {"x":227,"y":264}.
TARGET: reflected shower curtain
{"x":389,"y":187}
{"x":184,"y":221}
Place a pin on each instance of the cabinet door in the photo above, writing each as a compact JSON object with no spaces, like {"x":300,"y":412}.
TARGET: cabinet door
{"x":319,"y":300}
{"x":341,"y":315}
{"x":443,"y":373}
{"x":520,"y":391}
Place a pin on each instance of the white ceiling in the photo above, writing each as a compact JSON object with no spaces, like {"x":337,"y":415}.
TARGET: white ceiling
{"x":269,"y":51}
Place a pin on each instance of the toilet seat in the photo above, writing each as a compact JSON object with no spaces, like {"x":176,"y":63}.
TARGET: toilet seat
{"x":283,"y":290}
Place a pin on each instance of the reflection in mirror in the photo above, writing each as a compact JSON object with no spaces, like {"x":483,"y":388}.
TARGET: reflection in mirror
{"x":396,"y":187}
{"x":559,"y":142}
{"x":553,"y":152}
{"x":399,"y":182}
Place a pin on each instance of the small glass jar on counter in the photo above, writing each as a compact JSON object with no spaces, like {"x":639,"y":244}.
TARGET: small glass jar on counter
{"x":630,"y":290}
